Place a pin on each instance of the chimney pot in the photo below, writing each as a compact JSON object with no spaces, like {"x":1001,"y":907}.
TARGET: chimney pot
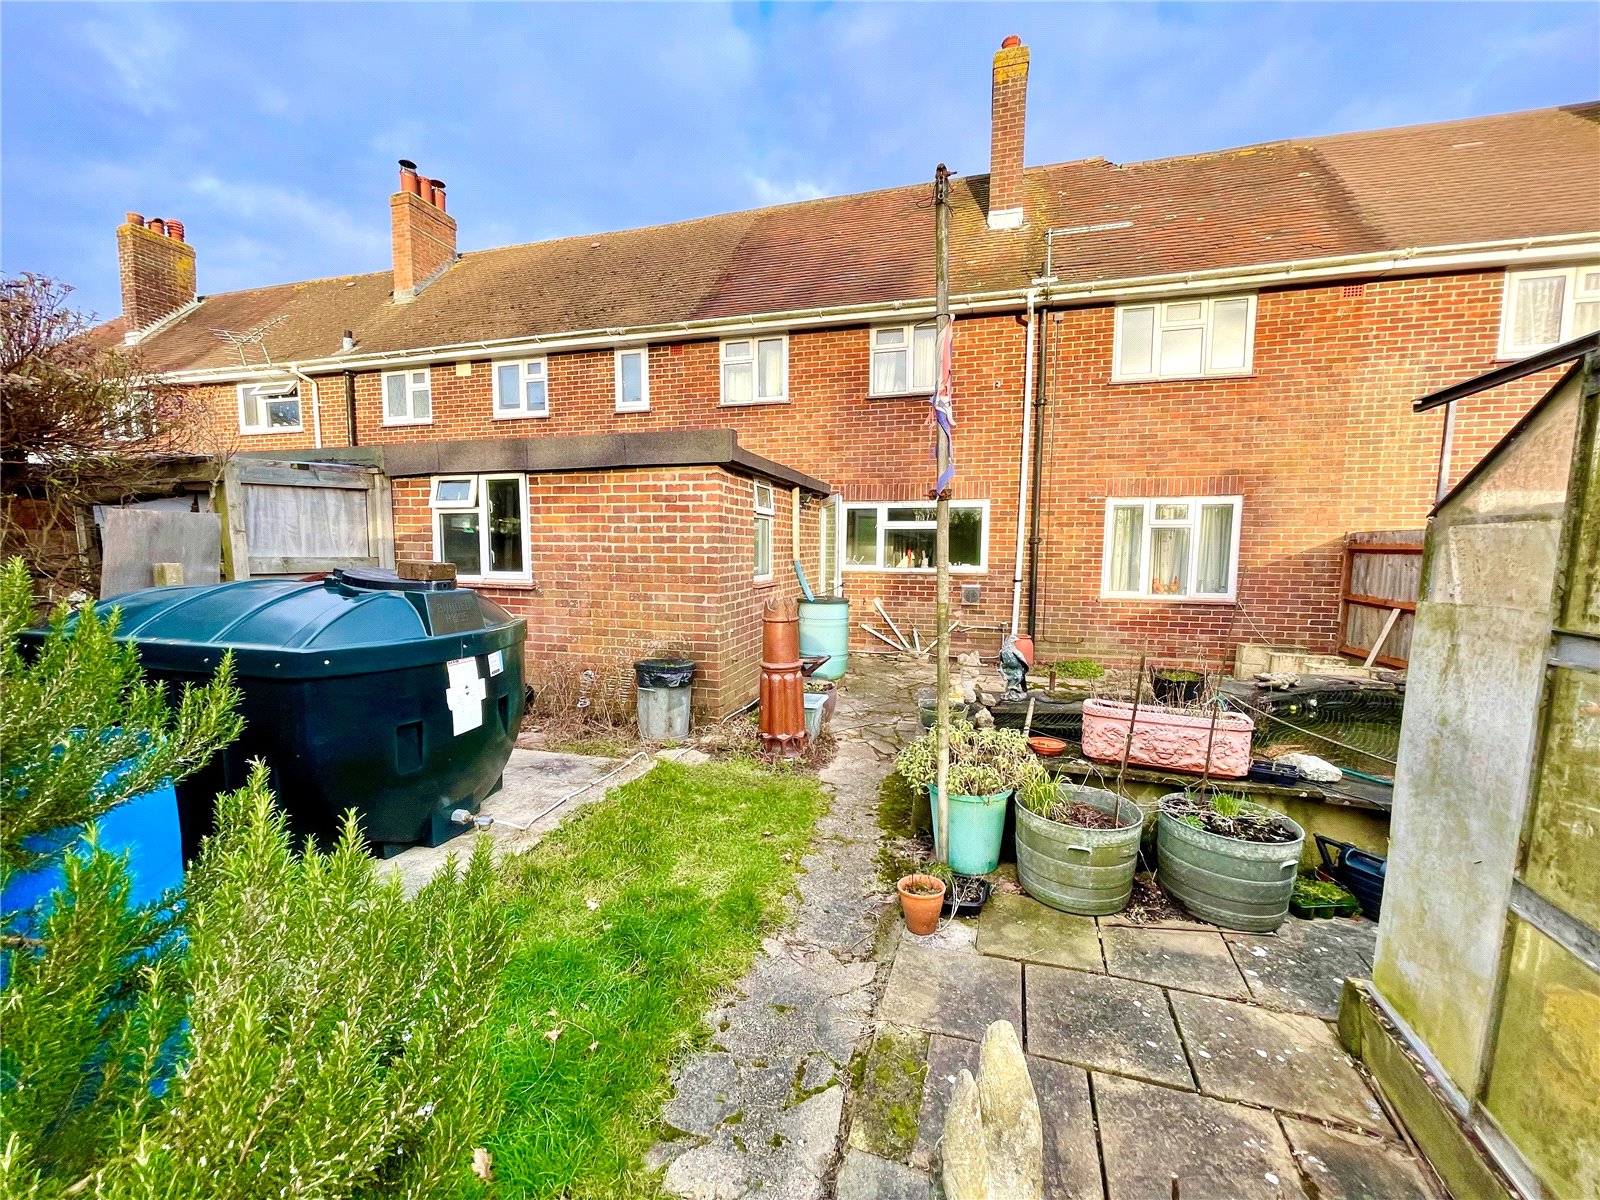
{"x":175,"y":230}
{"x":438,"y":193}
{"x":135,"y":219}
{"x":157,"y":273}
{"x":1011,"y":40}
{"x":423,"y":235}
{"x":157,"y":225}
{"x":1007,"y":121}
{"x":409,"y":180}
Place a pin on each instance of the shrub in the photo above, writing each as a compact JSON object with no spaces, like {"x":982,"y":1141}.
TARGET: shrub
{"x":1079,"y":668}
{"x":982,"y":761}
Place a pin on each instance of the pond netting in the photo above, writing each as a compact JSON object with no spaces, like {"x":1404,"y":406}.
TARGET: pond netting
{"x":1355,"y":728}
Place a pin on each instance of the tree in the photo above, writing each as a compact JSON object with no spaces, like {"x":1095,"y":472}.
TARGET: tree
{"x":80,"y":424}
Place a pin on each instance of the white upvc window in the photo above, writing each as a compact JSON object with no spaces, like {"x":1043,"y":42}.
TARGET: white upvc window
{"x":829,"y":550}
{"x":1172,"y":548}
{"x":765,"y":508}
{"x":269,"y":407}
{"x":1184,"y":339}
{"x":480,"y":523}
{"x":1547,"y":307}
{"x":903,"y":359}
{"x":521,"y":389}
{"x":899,"y":536}
{"x":631,"y":374}
{"x":408,"y":397}
{"x":755,"y":370}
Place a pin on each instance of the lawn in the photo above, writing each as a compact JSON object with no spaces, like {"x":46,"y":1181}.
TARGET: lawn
{"x":626,"y":924}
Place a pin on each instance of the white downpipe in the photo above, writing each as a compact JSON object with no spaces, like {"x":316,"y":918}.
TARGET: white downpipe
{"x":1023,"y":473}
{"x":316,"y":402}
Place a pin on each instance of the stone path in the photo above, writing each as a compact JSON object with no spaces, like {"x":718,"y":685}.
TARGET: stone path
{"x":1158,"y":1053}
{"x":760,"y":1111}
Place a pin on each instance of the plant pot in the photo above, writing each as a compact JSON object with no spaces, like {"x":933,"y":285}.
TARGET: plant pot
{"x":1046,"y":747}
{"x":1229,"y":882}
{"x":1167,"y":740}
{"x":977,"y":825}
{"x":1176,"y":686}
{"x":966,"y":908}
{"x":921,"y":912}
{"x":1076,"y":870}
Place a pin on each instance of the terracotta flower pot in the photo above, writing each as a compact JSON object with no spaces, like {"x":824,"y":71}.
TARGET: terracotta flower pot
{"x":921,"y":910}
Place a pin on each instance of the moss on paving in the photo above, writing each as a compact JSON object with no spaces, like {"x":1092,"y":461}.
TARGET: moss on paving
{"x":903,"y":813}
{"x":889,"y":1093}
{"x":628,"y":921}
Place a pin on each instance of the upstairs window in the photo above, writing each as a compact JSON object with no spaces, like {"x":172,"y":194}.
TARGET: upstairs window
{"x":900,"y":537}
{"x":408,"y":398}
{"x":903,"y":359}
{"x":1171,"y":549}
{"x":633,"y":379}
{"x":1547,"y":307}
{"x":764,"y":511}
{"x":521,"y":389}
{"x":269,"y":408}
{"x":755,"y":370}
{"x":1184,"y":339}
{"x":480,"y":524}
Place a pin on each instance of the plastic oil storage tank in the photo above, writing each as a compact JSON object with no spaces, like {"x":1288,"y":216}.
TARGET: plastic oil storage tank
{"x":398,"y":698}
{"x":825,"y":629}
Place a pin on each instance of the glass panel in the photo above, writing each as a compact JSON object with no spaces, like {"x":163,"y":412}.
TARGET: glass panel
{"x":394,"y":393}
{"x":1591,"y":281}
{"x":1228,"y":324}
{"x":924,"y":347}
{"x":1180,"y":351}
{"x":763,"y":545}
{"x":1169,"y":561}
{"x":250,"y":406}
{"x":861,"y":537}
{"x":1216,"y":547}
{"x":419,"y":379}
{"x":891,"y":337}
{"x":1127,"y":539}
{"x":905,"y":549}
{"x":1172,"y":512}
{"x":771,"y":354}
{"x":507,"y":375}
{"x":828,"y":548}
{"x":737,"y":379}
{"x":1179,"y":314}
{"x":1585,"y":318}
{"x":630,"y":369}
{"x":421,"y":404}
{"x":1542,"y":1090}
{"x":534,"y":369}
{"x":453,"y":491}
{"x":888,"y":372}
{"x":762,"y":493}
{"x":458,"y":541}
{"x":283,"y":413}
{"x":535,"y":397}
{"x":1538,"y":311}
{"x":735,"y":350}
{"x":966,"y":536}
{"x":1564,"y":839}
{"x":1138,"y":339}
{"x":928,"y":514}
{"x":505,"y":524}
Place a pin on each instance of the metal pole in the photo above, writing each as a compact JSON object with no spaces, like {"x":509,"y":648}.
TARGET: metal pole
{"x":941,"y":537}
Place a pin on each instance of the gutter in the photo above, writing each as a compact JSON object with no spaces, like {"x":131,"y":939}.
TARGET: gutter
{"x":1414,"y":260}
{"x":316,"y":402}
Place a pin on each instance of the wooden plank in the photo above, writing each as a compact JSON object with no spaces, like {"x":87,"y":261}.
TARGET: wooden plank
{"x":284,"y":475}
{"x":289,"y":521}
{"x":228,"y":499}
{"x":1383,"y":636}
{"x":1382,"y":602}
{"x":135,"y":539}
{"x":380,"y":520}
{"x":1385,"y":548}
{"x":266,"y":564}
{"x":1383,"y":660}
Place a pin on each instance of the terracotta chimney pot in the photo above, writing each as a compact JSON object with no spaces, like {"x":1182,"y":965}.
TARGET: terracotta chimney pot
{"x":175,"y":230}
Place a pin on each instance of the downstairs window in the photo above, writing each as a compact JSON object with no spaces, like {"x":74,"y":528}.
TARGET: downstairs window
{"x":480,"y":524}
{"x":1171,"y":549}
{"x":899,"y":537}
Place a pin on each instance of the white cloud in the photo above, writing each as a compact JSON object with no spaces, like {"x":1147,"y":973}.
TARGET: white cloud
{"x":771,"y":191}
{"x":142,"y":47}
{"x":269,"y":208}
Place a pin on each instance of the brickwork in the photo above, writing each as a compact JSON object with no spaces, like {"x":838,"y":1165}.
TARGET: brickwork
{"x":424,"y":242}
{"x":1009,"y":100}
{"x":156,"y":271}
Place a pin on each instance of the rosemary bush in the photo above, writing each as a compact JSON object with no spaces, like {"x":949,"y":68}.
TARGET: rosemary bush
{"x":982,"y":761}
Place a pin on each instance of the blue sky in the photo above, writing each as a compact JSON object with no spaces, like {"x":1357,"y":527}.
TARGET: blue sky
{"x":272,"y":130}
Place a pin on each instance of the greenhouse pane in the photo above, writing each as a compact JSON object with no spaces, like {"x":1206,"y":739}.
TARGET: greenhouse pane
{"x":1564,"y":840}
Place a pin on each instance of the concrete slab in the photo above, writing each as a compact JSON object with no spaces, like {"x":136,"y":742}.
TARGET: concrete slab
{"x":1303,"y":966}
{"x":1347,"y":1166}
{"x":1016,"y":926}
{"x":1187,"y":959}
{"x":1284,"y":1060}
{"x":884,"y":1109}
{"x":1216,"y":1151}
{"x":957,"y":991}
{"x":1105,"y":1024}
{"x":947,"y":1058}
{"x":865,"y":1176}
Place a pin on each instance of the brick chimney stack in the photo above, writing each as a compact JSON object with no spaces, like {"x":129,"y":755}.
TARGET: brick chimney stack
{"x":157,"y":270}
{"x":1010,"y":108}
{"x":424,"y":235}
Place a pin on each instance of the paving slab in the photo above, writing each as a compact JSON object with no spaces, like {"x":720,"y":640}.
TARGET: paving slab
{"x":947,"y":1058}
{"x":865,"y":1176}
{"x":1189,"y":959}
{"x":1348,"y":1166}
{"x":1106,"y":1024}
{"x":1302,"y":968}
{"x":1016,"y":926}
{"x":885,"y":1107}
{"x":1286,"y":1061}
{"x":1216,"y":1150}
{"x":955,"y":991}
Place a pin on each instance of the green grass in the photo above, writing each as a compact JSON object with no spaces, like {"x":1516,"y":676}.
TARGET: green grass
{"x":685,"y":870}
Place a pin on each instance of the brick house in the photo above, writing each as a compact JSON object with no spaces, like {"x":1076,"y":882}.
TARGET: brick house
{"x":1179,"y":384}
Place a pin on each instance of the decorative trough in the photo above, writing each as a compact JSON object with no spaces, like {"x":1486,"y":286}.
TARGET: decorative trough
{"x":1166,"y":739}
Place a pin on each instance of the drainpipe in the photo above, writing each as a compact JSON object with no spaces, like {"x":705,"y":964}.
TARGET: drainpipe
{"x":316,"y":402}
{"x":350,"y":405}
{"x":1041,"y":390}
{"x":1023,"y":468}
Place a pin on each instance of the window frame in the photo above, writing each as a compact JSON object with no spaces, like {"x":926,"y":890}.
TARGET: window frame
{"x":522,"y":412}
{"x":1192,"y":523}
{"x":290,"y":385}
{"x":1573,"y":274}
{"x":754,"y":359}
{"x":910,"y":350}
{"x":480,"y":505}
{"x":882,"y":508}
{"x":618,"y":355}
{"x":1161,"y":324}
{"x":764,"y":512}
{"x":411,"y":396}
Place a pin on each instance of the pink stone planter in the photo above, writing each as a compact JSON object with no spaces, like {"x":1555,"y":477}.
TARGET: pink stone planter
{"x":1166,"y":740}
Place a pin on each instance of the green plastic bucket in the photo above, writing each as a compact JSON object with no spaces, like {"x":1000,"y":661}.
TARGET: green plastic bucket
{"x":977,"y":824}
{"x":825,"y":629}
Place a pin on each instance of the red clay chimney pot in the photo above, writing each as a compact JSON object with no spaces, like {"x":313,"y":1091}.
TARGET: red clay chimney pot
{"x":135,"y":219}
{"x":438,"y":193}
{"x":157,"y":225}
{"x":1012,"y":40}
{"x":175,"y":230}
{"x":409,"y":180}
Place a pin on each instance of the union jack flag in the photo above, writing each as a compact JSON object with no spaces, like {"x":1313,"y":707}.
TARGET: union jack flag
{"x":943,"y":413}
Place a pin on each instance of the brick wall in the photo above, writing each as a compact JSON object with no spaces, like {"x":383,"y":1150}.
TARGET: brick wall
{"x":156,"y":271}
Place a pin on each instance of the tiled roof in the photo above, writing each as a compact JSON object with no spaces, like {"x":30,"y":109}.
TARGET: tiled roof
{"x":1484,"y":179}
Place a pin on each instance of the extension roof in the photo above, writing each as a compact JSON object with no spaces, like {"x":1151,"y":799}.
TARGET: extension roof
{"x":1484,"y":179}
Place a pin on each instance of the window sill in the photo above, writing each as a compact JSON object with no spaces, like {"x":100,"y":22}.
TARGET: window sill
{"x":388,"y":424}
{"x":855,"y":570}
{"x":751,"y":403}
{"x":509,"y":416}
{"x":924,"y":394}
{"x":275,"y":429}
{"x":497,"y":580}
{"x":623,"y":410}
{"x":1210,"y":600}
{"x":1216,"y":377}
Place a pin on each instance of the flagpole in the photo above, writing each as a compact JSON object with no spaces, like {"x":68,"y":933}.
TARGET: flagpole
{"x":941,"y":537}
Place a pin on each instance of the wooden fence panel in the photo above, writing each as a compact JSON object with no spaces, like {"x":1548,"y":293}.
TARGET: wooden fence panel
{"x":1382,"y":577}
{"x":297,"y":519}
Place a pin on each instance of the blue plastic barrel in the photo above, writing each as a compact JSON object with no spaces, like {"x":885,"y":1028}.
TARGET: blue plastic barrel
{"x":977,"y":825}
{"x":825,"y":629}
